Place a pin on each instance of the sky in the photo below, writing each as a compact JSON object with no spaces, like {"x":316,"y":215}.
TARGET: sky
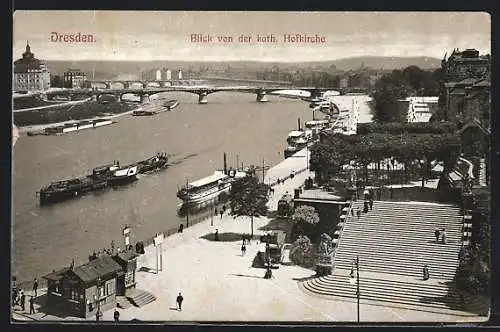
{"x":120,"y":35}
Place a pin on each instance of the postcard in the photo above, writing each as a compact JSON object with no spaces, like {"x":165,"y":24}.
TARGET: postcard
{"x":251,"y":166}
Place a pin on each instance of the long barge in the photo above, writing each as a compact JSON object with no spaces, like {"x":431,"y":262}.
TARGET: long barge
{"x":72,"y":127}
{"x":102,"y":177}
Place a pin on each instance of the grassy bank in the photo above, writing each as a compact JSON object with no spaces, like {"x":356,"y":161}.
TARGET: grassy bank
{"x":71,"y":112}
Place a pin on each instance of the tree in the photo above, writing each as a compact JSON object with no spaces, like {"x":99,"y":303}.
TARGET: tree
{"x":248,"y":198}
{"x":304,"y":217}
{"x":56,"y":81}
{"x":302,"y":252}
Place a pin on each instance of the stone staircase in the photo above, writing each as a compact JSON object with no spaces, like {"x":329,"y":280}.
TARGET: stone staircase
{"x":394,"y":241}
{"x":139,"y":298}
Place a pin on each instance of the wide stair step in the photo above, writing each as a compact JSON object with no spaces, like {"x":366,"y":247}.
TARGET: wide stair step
{"x":140,"y":298}
{"x":394,"y":242}
{"x":408,"y":295}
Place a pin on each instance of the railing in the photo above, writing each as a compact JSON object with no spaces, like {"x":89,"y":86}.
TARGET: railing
{"x":341,"y":231}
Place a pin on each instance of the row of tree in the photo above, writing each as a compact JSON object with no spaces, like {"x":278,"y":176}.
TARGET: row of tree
{"x":411,"y":127}
{"x":400,"y":84}
{"x":333,"y":151}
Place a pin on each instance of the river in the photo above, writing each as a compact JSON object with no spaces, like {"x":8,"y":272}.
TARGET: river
{"x":196,"y":136}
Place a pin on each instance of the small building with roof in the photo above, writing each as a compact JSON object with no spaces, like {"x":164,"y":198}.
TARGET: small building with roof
{"x":80,"y":291}
{"x":125,"y":280}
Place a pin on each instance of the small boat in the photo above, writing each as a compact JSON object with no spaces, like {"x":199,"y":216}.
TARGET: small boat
{"x":209,"y":188}
{"x":167,"y":106}
{"x":297,"y":140}
{"x":171,"y":104}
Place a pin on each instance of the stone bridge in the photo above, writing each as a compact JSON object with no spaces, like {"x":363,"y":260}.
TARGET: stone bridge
{"x":202,"y":91}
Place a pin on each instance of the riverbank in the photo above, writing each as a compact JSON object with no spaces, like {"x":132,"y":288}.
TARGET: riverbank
{"x":78,"y":111}
{"x":219,"y":283}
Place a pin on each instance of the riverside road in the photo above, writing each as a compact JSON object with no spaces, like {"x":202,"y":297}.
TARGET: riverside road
{"x":194,"y":135}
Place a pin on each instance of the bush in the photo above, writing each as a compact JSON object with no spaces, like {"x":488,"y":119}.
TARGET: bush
{"x":302,"y":252}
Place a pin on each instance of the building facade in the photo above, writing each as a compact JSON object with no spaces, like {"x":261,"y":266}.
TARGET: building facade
{"x":85,"y":290}
{"x":30,"y":74}
{"x":466,"y":100}
{"x":466,"y":92}
{"x":74,"y":79}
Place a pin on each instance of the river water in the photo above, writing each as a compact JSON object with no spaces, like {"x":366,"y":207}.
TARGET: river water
{"x":196,"y":136}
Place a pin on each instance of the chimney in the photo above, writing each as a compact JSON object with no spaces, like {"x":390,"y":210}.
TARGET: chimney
{"x":225,"y":164}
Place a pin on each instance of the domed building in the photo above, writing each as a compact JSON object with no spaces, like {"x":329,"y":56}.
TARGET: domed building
{"x":30,"y":74}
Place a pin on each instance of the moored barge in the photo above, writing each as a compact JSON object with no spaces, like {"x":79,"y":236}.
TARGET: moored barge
{"x":102,"y":177}
{"x":71,"y":127}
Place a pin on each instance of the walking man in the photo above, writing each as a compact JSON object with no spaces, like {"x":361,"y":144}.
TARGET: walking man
{"x":243,"y":250}
{"x":437,"y":232}
{"x":23,"y":300}
{"x":444,"y":236}
{"x":35,"y":287}
{"x":371,"y":203}
{"x":116,"y":316}
{"x":352,"y":211}
{"x":179,"y":301}
{"x":221,"y":213}
{"x":216,"y":235}
{"x":358,"y":212}
{"x":32,"y":305}
{"x":426,"y":272}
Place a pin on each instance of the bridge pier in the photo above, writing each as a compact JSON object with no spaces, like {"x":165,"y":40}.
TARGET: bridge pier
{"x":261,"y":97}
{"x":202,"y":98}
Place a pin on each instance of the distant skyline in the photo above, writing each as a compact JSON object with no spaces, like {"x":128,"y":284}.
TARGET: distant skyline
{"x":144,"y":36}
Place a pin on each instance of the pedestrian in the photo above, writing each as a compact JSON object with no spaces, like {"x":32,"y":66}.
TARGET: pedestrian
{"x":221,"y":213}
{"x":358,"y":212}
{"x":216,"y":235}
{"x":23,"y":300}
{"x":437,"y":233}
{"x":443,"y":236}
{"x":249,"y":239}
{"x":35,"y":287}
{"x":116,"y":316}
{"x":32,"y":305}
{"x":243,"y":250}
{"x":181,"y":228}
{"x":371,"y":203}
{"x":179,"y":301}
{"x":243,"y":238}
{"x":426,"y":272}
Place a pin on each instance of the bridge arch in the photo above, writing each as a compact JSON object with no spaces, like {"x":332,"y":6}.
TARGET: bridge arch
{"x":130,"y":97}
{"x":118,"y":85}
{"x":152,"y":85}
{"x":107,"y":97}
{"x":136,"y":85}
{"x":99,"y":85}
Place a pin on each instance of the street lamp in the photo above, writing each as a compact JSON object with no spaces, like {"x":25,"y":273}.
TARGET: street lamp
{"x":355,"y":279}
{"x":98,"y":298}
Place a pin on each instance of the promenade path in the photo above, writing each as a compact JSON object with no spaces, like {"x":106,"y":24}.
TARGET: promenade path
{"x":219,"y":284}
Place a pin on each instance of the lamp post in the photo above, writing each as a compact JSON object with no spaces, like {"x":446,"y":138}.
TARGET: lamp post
{"x":98,"y":297}
{"x":355,"y":279}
